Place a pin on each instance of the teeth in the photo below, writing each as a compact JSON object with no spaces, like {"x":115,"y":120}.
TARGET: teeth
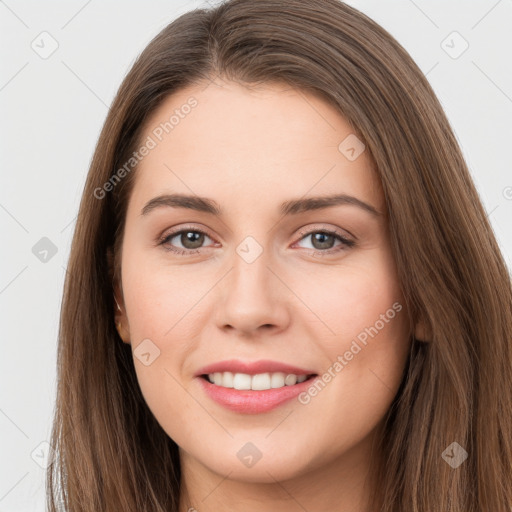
{"x":277,"y":380}
{"x":227,"y":379}
{"x":241,"y":381}
{"x":290,"y":380}
{"x":259,"y":382}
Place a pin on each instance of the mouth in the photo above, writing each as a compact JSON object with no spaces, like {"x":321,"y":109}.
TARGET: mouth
{"x":254,"y":394}
{"x":258,"y":382}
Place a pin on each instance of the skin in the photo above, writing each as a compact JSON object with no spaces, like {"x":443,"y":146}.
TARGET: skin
{"x":250,"y":150}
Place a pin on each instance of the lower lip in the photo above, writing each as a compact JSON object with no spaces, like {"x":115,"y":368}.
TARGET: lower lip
{"x":253,"y":402}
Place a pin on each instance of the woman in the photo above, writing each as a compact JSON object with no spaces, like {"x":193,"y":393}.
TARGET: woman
{"x":370,"y":369}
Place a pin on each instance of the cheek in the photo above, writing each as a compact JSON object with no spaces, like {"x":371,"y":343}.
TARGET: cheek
{"x":371,"y":305}
{"x":366,"y":347}
{"x":161,"y":334}
{"x":361,"y":294}
{"x":159,"y":298}
{"x":155,"y":310}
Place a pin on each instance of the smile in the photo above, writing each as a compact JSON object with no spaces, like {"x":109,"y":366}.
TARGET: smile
{"x":258,"y":382}
{"x":252,"y":387}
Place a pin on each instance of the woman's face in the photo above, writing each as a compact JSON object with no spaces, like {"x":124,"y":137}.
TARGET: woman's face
{"x":267,"y":287}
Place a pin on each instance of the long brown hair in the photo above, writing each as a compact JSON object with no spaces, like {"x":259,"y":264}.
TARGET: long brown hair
{"x":112,"y":455}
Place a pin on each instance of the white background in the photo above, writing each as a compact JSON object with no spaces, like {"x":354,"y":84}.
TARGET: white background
{"x":52,"y":113}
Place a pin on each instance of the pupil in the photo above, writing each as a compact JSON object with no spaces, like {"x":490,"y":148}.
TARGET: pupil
{"x":194,"y":238}
{"x":323,"y":243}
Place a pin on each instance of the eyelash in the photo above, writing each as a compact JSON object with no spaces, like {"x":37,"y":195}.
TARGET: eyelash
{"x":346,"y":243}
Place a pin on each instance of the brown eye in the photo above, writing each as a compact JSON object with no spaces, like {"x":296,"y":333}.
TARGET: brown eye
{"x":191,"y":239}
{"x":184,"y":241}
{"x":324,"y":240}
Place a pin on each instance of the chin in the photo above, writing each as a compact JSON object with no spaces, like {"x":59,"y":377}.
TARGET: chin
{"x":258,"y":461}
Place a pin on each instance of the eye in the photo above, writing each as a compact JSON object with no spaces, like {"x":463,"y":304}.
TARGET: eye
{"x":191,"y":240}
{"x":323,"y":240}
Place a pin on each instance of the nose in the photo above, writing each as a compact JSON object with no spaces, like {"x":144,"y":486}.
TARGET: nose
{"x":252,"y":299}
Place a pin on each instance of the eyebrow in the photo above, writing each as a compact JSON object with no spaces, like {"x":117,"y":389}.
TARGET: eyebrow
{"x":291,"y":207}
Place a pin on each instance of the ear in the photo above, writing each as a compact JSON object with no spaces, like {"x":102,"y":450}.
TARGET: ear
{"x":120,"y":318}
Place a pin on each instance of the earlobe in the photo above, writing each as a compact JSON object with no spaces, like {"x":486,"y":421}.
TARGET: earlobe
{"x":120,"y":317}
{"x":123,"y":333}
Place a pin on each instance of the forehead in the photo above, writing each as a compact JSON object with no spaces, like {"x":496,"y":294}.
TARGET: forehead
{"x":257,"y":143}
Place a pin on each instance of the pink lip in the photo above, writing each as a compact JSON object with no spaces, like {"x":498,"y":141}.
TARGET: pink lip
{"x":249,"y":401}
{"x":252,"y":368}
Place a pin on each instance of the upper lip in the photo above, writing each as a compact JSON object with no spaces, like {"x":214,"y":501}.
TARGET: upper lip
{"x":252,"y":367}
